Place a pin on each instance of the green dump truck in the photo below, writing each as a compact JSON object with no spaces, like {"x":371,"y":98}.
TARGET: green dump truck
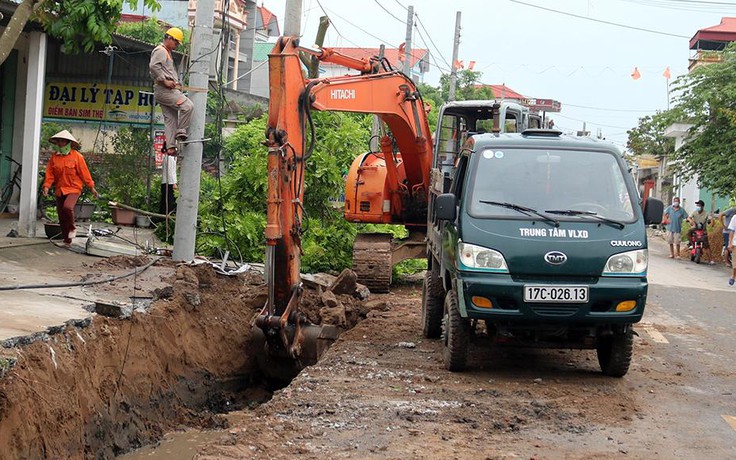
{"x":535,"y":239}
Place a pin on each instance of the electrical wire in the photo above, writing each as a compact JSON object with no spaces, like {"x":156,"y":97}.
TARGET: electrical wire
{"x":421,"y":24}
{"x":79,"y":283}
{"x":388,"y":12}
{"x":641,"y":29}
{"x":590,"y":122}
{"x":442,"y":70}
{"x":685,"y":5}
{"x":609,"y":110}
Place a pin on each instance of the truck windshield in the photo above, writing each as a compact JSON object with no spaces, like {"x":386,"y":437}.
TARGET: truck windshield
{"x":579,"y":182}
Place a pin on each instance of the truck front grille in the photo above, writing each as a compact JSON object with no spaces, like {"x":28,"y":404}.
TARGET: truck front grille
{"x":554,"y":310}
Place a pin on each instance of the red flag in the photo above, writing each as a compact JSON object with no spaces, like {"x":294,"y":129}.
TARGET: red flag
{"x":666,"y":74}
{"x":471,"y":65}
{"x":458,"y":64}
{"x":635,"y":74}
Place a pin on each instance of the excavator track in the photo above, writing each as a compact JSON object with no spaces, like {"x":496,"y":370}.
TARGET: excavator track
{"x":372,"y":260}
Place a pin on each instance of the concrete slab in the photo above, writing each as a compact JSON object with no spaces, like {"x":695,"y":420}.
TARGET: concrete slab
{"x":36,"y":261}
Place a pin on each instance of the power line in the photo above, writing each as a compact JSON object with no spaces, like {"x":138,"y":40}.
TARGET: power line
{"x":401,"y":5}
{"x":605,"y":109}
{"x":362,"y":30}
{"x":421,"y":24}
{"x":591,"y":122}
{"x":641,"y":29}
{"x":388,"y":12}
{"x":684,"y":5}
{"x":441,"y":69}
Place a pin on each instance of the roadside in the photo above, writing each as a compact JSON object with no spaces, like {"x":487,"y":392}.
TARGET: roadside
{"x":99,"y":386}
{"x":38,"y":261}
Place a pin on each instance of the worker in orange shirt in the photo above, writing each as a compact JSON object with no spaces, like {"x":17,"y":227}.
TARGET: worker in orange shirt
{"x":67,"y":172}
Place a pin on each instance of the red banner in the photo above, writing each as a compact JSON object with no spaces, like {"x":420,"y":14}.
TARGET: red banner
{"x":158,"y":143}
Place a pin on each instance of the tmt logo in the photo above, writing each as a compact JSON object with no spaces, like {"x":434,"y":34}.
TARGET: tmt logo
{"x":342,"y":94}
{"x":555,"y":258}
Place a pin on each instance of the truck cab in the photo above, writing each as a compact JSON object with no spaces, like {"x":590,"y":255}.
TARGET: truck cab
{"x":541,"y":239}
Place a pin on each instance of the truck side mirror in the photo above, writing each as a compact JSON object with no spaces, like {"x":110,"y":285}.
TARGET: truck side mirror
{"x":653,"y":210}
{"x":445,"y":207}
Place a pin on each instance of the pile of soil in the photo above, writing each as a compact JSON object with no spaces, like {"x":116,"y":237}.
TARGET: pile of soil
{"x":118,"y":384}
{"x":715,"y":240}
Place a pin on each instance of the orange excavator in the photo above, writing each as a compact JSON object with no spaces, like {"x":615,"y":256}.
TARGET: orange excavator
{"x":390,"y":186}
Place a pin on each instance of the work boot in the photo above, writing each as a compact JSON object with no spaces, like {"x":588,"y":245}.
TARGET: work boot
{"x":181,"y":136}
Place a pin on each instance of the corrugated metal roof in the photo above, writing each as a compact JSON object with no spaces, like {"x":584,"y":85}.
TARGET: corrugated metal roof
{"x":715,"y":36}
{"x":261,"y":50}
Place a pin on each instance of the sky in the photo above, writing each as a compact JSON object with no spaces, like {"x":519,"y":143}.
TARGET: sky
{"x":579,"y":52}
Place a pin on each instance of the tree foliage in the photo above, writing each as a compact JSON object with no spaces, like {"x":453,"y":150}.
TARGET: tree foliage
{"x":80,"y":24}
{"x":707,"y":101}
{"x":238,"y":204}
{"x":469,"y":86}
{"x":149,"y":31}
{"x":648,"y":137}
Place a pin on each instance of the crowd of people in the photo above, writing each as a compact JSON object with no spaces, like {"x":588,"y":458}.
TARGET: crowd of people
{"x":673,"y":218}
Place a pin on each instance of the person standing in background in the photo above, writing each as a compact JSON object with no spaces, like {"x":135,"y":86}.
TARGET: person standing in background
{"x":725,"y":218}
{"x":67,"y":172}
{"x":730,"y":248}
{"x":673,"y":217}
{"x":168,"y":185}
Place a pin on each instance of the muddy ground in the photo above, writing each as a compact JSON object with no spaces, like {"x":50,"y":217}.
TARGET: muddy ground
{"x":101,"y":387}
{"x":97,"y":387}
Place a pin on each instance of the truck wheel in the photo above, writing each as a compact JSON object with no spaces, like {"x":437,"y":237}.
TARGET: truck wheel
{"x":432,"y":304}
{"x":614,"y":352}
{"x":456,"y":335}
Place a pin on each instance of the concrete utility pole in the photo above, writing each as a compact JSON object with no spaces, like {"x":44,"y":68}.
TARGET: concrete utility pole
{"x":407,"y":43}
{"x":185,"y":231}
{"x":455,"y":47}
{"x":293,"y":18}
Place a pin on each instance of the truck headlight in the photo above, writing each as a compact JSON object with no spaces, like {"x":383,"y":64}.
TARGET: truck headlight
{"x":627,"y":263}
{"x":473,"y":256}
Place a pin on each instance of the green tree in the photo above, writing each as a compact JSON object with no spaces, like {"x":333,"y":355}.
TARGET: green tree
{"x":432,"y":96}
{"x":150,"y":31}
{"x":469,"y":86}
{"x":238,"y":203}
{"x":80,"y":24}
{"x":707,"y":100}
{"x":648,"y":137}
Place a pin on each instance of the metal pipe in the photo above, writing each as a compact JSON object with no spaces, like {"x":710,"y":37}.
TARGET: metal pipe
{"x":270,"y":277}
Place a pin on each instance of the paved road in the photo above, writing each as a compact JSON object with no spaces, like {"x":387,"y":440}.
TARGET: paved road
{"x":687,"y":339}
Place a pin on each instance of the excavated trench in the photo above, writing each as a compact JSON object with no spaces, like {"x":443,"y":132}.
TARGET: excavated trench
{"x":101,"y":387}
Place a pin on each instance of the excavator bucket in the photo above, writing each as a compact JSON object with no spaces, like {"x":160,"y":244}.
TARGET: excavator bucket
{"x":283,"y":351}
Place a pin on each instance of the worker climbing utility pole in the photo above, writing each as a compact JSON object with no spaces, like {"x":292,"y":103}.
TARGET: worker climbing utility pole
{"x":407,"y":43}
{"x":453,"y":69}
{"x":185,"y":231}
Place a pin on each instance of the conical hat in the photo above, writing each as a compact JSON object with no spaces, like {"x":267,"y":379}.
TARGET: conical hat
{"x":65,"y":135}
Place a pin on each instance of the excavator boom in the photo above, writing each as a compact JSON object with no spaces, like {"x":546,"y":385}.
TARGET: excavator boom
{"x":390,"y":187}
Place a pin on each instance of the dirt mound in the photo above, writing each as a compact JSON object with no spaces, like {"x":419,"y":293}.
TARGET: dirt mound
{"x":118,"y":384}
{"x":122,"y":262}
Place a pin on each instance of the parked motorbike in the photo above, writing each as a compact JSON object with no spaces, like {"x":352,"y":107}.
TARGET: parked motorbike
{"x":696,"y":243}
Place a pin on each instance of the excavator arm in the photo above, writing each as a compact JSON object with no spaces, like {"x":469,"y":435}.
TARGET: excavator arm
{"x":290,"y":138}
